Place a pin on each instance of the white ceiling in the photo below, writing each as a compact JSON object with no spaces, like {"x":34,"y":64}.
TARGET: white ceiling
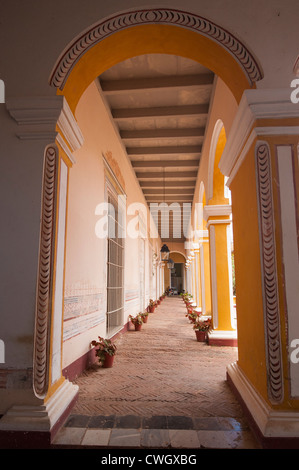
{"x":160,"y":105}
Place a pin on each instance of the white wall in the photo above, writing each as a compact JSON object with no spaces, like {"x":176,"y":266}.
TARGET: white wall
{"x":85,"y":275}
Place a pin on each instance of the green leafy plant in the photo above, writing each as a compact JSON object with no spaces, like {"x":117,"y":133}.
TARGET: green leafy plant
{"x":144,"y":315}
{"x":203,"y":325}
{"x":192,"y":316}
{"x":103,"y":347}
{"x":137,"y":320}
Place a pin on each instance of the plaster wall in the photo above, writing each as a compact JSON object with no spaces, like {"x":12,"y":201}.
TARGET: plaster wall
{"x":267,"y":29}
{"x":85,"y":272}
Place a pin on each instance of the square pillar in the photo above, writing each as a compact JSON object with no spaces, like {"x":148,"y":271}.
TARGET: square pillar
{"x":218,"y":223}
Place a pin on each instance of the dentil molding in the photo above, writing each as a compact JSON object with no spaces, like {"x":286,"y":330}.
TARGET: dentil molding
{"x":107,"y":26}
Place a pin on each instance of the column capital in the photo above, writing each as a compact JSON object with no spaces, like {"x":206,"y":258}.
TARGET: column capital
{"x":219,"y":210}
{"x":36,"y":116}
{"x":46,"y":119}
{"x":256,"y":115}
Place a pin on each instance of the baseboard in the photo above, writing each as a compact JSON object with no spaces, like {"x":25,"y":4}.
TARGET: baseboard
{"x":34,"y":427}
{"x":223,"y":338}
{"x":274,"y":429}
{"x":76,"y":368}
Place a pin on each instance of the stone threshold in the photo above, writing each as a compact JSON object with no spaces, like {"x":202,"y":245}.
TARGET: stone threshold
{"x":156,"y":422}
{"x":159,"y":432}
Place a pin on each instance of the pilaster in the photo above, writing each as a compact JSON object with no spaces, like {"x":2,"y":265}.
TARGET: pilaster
{"x":45,"y":127}
{"x":262,"y":146}
{"x":218,"y":219}
{"x":204,"y":255}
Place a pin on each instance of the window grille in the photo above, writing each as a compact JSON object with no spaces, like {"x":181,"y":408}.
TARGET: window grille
{"x":115,"y":263}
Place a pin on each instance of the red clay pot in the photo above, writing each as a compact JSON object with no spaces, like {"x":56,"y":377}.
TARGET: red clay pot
{"x":151,"y":309}
{"x":108,"y":362}
{"x":138,"y":326}
{"x":201,"y":336}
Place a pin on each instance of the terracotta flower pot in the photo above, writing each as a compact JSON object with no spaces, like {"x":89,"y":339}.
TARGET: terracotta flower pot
{"x":145,"y":319}
{"x":201,"y":336}
{"x":108,"y":362}
{"x":151,"y":309}
{"x":138,"y":326}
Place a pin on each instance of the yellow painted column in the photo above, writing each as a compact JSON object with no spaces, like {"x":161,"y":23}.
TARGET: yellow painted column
{"x":205,"y":273}
{"x":198,"y":278}
{"x":218,"y":223}
{"x":193,"y":276}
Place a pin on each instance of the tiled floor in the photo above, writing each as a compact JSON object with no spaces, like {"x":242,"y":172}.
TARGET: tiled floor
{"x":165,"y":390}
{"x":159,"y":432}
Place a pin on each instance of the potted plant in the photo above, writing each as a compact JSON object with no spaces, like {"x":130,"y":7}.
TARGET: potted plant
{"x":151,"y":306}
{"x":137,"y":321}
{"x":105,"y":351}
{"x":202,"y":328}
{"x":144,"y":317}
{"x":192,"y":316}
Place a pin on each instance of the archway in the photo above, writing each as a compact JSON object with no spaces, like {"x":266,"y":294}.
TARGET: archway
{"x":77,"y":68}
{"x":259,"y":160}
{"x":218,"y":215}
{"x":175,"y":33}
{"x":175,"y":275}
{"x":153,"y":31}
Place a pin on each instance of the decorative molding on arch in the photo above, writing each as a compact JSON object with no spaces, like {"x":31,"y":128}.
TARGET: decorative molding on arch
{"x":269,"y":272}
{"x":125,"y":20}
{"x":45,"y":272}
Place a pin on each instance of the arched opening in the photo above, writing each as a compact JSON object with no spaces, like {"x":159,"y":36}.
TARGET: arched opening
{"x":176,"y":273}
{"x":153,"y":31}
{"x":61,"y":125}
{"x":76,"y":82}
{"x":219,"y":220}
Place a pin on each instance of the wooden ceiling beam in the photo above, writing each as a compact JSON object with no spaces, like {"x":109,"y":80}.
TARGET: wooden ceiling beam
{"x":160,"y":111}
{"x":162,"y":133}
{"x":167,"y":184}
{"x":164,"y":150}
{"x":165,"y":163}
{"x":154,"y":83}
{"x":166,"y":175}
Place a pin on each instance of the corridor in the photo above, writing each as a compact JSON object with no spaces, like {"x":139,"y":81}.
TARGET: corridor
{"x":165,"y":390}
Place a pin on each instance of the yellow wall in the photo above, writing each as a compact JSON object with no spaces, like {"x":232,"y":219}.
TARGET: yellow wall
{"x":224,"y":319}
{"x":251,"y":339}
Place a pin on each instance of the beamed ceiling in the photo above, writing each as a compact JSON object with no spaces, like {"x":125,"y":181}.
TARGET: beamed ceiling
{"x":160,"y":105}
